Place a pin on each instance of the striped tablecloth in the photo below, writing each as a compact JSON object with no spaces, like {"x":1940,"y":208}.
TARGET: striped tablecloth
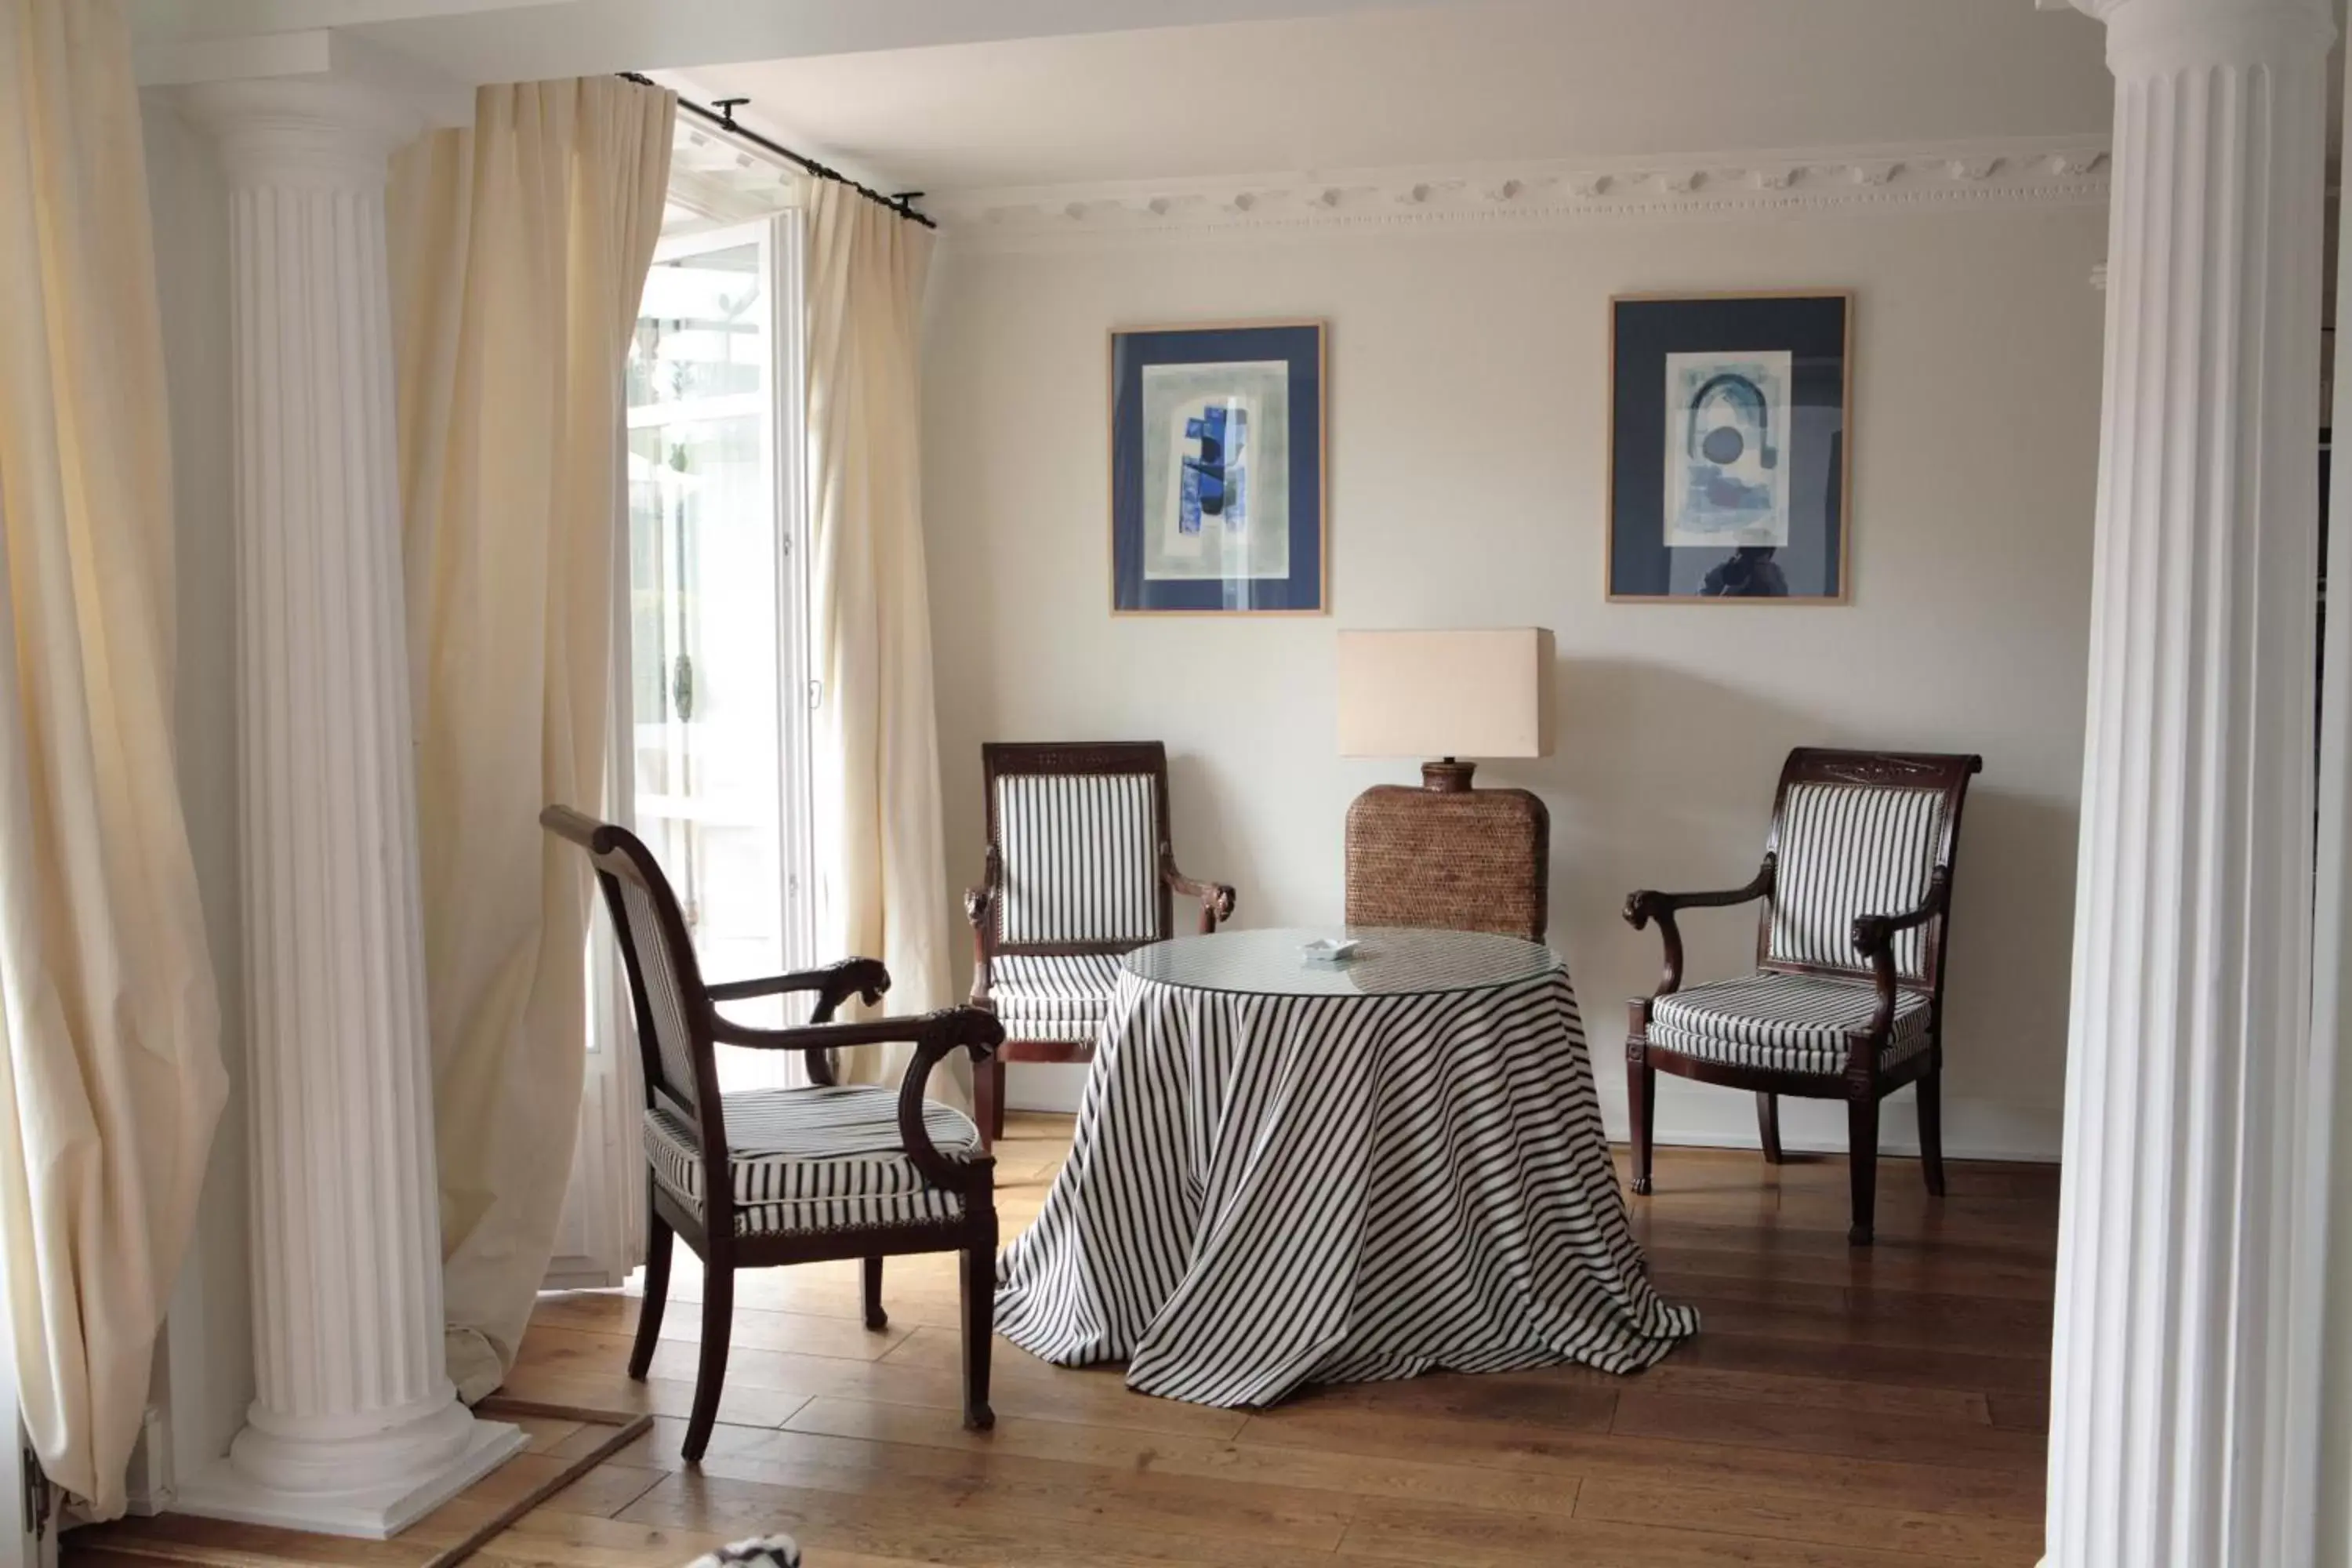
{"x":1267,"y":1191}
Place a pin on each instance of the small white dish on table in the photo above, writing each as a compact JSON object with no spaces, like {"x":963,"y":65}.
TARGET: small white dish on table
{"x":1330,"y":949}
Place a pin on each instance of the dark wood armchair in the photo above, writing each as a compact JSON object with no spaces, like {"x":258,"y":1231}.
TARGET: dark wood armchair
{"x":1079,"y":872}
{"x":771,"y":1176}
{"x":1846,"y":1001}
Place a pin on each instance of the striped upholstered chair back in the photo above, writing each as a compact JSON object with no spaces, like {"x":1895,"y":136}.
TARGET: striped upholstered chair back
{"x":1075,"y":832}
{"x":665,"y":980}
{"x":1857,"y":833}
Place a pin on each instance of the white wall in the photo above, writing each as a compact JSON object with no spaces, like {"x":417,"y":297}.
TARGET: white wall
{"x":207,"y":1357}
{"x":1468,"y":481}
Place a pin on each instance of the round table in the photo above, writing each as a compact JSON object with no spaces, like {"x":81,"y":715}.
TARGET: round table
{"x":1288,"y":1172}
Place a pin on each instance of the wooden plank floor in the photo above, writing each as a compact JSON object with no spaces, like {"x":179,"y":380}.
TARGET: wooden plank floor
{"x":1839,"y":1409}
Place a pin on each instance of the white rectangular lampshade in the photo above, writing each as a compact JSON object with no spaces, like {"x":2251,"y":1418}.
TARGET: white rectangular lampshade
{"x":1444,"y":693}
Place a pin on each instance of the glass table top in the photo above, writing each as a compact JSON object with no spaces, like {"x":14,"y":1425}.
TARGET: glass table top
{"x":1388,"y":961}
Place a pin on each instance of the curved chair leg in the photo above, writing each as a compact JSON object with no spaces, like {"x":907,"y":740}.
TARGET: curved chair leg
{"x":656,"y":1297}
{"x":1931,"y":1131}
{"x":711,"y":1377}
{"x":1768,"y":1126}
{"x":1641,"y":1086}
{"x":1862,"y":1131}
{"x":978,"y":1282}
{"x":875,"y":1318}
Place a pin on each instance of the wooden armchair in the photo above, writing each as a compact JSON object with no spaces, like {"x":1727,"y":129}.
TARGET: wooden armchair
{"x":1847,"y":998}
{"x":1079,"y":872}
{"x":769,"y":1176}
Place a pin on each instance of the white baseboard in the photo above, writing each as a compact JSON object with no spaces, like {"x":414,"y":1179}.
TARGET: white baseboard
{"x":1044,"y":1086}
{"x":1705,"y":1117}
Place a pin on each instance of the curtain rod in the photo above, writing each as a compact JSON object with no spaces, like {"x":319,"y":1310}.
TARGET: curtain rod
{"x":722,"y":115}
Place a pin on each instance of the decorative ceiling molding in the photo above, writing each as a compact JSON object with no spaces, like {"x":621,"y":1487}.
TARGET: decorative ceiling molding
{"x":2070,"y":172}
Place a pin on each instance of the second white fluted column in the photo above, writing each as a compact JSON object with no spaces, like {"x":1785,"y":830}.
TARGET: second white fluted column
{"x":2180,"y":1431}
{"x":354,"y":1428}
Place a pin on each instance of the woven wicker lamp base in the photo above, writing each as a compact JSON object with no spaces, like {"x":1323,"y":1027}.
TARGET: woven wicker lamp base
{"x":1451,"y":856}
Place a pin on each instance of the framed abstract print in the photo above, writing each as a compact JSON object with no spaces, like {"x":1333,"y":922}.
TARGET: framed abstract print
{"x":1728,"y":446}
{"x":1217,"y":469}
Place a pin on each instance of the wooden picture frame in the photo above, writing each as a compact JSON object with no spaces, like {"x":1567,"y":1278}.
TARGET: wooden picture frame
{"x":1276,"y":365}
{"x":1758,"y":507}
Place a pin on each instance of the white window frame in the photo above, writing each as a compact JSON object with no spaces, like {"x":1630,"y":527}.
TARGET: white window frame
{"x":604,"y":1229}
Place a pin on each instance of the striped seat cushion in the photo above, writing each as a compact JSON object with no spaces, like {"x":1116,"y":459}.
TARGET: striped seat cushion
{"x":813,"y":1159}
{"x":1081,"y":858}
{"x":1789,"y":1022}
{"x":1847,"y":850}
{"x":1053,"y":998}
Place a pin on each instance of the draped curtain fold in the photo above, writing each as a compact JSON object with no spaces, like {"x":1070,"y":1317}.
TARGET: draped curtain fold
{"x":881,"y":868}
{"x":111,"y":1079}
{"x":519,"y":249}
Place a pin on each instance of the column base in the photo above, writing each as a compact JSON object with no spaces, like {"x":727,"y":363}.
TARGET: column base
{"x":376,"y":1513}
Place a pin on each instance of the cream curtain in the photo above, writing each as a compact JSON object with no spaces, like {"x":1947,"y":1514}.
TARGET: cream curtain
{"x":520,"y":251}
{"x":882,"y":875}
{"x":110,"y":1065}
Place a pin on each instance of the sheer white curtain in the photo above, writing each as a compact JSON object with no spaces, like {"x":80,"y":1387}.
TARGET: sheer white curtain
{"x":111,"y":1079}
{"x":519,"y":249}
{"x":882,"y":872}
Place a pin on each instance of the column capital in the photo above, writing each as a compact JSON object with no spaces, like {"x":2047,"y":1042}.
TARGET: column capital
{"x":2156,"y":36}
{"x":311,"y":131}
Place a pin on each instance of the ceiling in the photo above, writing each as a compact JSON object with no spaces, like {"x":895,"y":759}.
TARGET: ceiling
{"x":1382,"y":87}
{"x":470,"y":41}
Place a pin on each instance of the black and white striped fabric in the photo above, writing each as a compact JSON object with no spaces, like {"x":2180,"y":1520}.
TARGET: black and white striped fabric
{"x":815,"y":1159}
{"x":1051,"y":998}
{"x":1271,"y":1191}
{"x":1848,"y":850}
{"x":672,"y":1044}
{"x":1791,"y":1023}
{"x":759,"y":1551}
{"x":1081,"y":858}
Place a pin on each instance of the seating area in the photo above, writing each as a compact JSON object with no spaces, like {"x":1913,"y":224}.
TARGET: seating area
{"x":1847,"y":999}
{"x":767,"y":1177}
{"x":847,"y":786}
{"x":1080,"y":870}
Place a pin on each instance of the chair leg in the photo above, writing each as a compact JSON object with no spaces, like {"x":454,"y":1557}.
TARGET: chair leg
{"x":718,"y":1318}
{"x":656,"y":1297}
{"x":1931,"y":1131}
{"x":1768,"y":1126}
{"x":988,"y":1101}
{"x":1862,"y":1158}
{"x":875,"y":1318}
{"x":979,"y":1328}
{"x":1641,"y":1086}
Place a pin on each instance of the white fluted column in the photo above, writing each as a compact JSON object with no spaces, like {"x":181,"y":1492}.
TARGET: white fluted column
{"x":354,"y":1427}
{"x":2181,"y":1426}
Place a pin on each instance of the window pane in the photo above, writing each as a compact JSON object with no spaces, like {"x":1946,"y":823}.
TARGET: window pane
{"x":704,"y":605}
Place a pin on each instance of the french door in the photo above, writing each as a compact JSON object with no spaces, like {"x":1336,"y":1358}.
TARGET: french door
{"x":711,"y":720}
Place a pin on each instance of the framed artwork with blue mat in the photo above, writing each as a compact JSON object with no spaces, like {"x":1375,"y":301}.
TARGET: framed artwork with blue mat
{"x":1217,"y":471}
{"x":1729,"y":448}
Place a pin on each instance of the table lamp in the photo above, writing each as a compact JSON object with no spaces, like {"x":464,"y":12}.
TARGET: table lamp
{"x":1447,"y":854}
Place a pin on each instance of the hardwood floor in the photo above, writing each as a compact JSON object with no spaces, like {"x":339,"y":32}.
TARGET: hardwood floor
{"x":1839,"y":1409}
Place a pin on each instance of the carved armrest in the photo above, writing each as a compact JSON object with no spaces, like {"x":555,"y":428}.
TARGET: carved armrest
{"x":1647,"y":905}
{"x":934,"y":1035}
{"x":979,"y":908}
{"x":943,"y":1034}
{"x":834,"y":984}
{"x":1873,"y":941}
{"x":1216,"y":898}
